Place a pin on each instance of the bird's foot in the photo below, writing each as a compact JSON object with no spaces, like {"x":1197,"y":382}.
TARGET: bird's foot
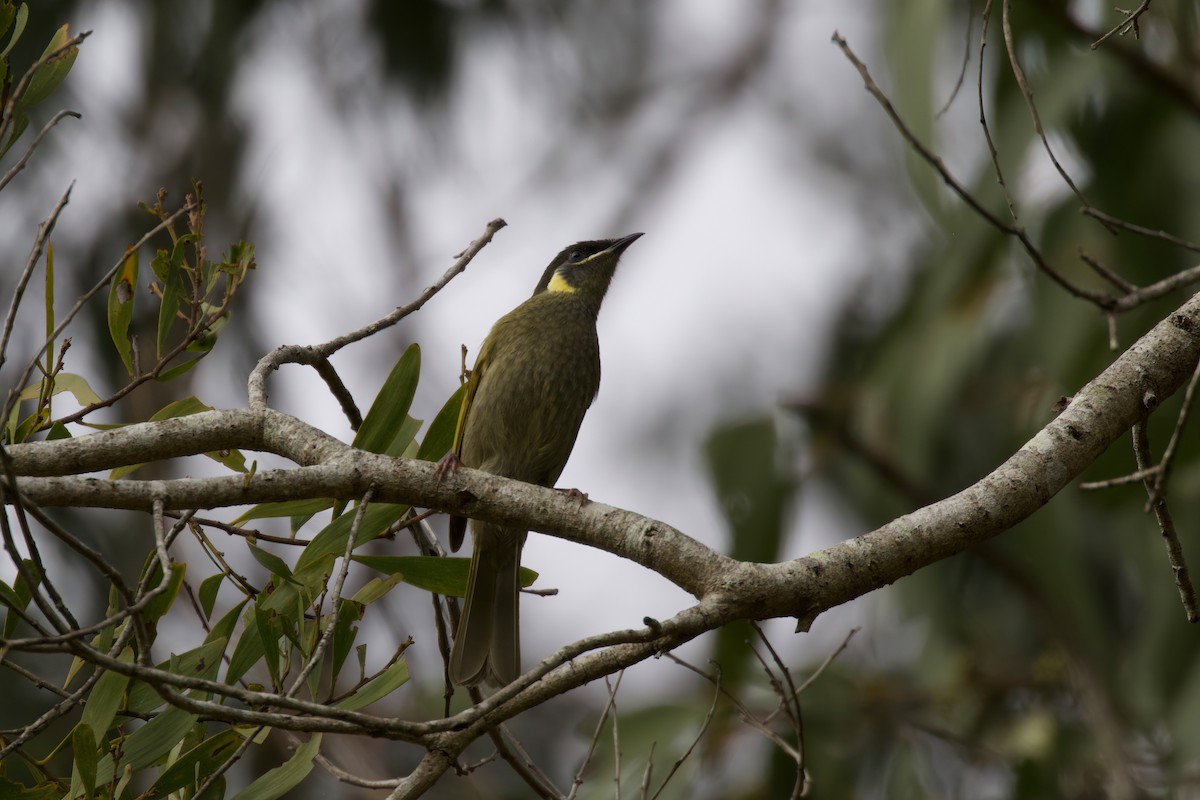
{"x":575,"y":494}
{"x":447,"y":466}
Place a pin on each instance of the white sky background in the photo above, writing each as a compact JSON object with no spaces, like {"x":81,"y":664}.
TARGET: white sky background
{"x":720,"y":311}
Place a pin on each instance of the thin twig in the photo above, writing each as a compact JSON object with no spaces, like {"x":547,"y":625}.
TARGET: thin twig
{"x":987,"y":132}
{"x":1130,"y":23}
{"x":708,"y":718}
{"x":78,"y":306}
{"x":1106,"y":273}
{"x":338,"y":389}
{"x":1168,"y":457}
{"x":1117,"y":222}
{"x":313,"y":354}
{"x":962,"y":71}
{"x":609,"y":707}
{"x":1187,"y":594}
{"x":335,"y":597}
{"x":514,"y":753}
{"x":948,"y":178}
{"x":24,"y":159}
{"x":1027,"y":94}
{"x":35,"y":255}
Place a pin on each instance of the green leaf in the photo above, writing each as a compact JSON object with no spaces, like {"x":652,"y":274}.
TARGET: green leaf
{"x":10,"y":790}
{"x":378,"y":687}
{"x":49,"y":75}
{"x":446,"y":576}
{"x":440,"y":436}
{"x":332,"y":539}
{"x":149,"y":743}
{"x":19,"y":595}
{"x":269,"y":631}
{"x":180,"y":369}
{"x":106,"y":696}
{"x":172,"y":292}
{"x":209,"y":587}
{"x":83,"y":748}
{"x":280,"y":780}
{"x":224,"y":627}
{"x":750,"y":469}
{"x":120,"y":308}
{"x":344,"y":634}
{"x":289,"y":508}
{"x":194,"y":765}
{"x":160,"y":605}
{"x":49,"y":305}
{"x":247,"y":651}
{"x":9,"y":11}
{"x":381,"y":429}
{"x":274,"y":564}
{"x":376,"y":588}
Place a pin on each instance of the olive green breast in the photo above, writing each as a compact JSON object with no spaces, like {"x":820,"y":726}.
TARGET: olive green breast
{"x":538,"y":372}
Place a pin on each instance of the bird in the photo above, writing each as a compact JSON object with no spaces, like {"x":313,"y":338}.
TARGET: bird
{"x":536,"y":375}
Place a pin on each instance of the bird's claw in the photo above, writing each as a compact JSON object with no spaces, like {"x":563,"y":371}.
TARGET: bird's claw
{"x":447,"y":466}
{"x":575,"y":494}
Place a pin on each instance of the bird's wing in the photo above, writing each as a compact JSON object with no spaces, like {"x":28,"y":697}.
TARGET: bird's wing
{"x":458,"y":525}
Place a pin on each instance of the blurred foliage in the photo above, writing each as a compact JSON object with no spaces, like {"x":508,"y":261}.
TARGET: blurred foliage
{"x":1053,"y":662}
{"x":1056,"y":660}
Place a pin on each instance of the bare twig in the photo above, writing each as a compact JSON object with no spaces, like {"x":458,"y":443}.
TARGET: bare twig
{"x":35,"y":255}
{"x":708,"y":718}
{"x":609,"y":706}
{"x":24,"y":159}
{"x":987,"y":132}
{"x":1027,"y":94}
{"x":962,"y":70}
{"x":1130,"y":23}
{"x":312,"y":355}
{"x":1117,"y":222}
{"x":1168,"y":456}
{"x":76,"y":308}
{"x":948,"y":178}
{"x":1166,"y":524}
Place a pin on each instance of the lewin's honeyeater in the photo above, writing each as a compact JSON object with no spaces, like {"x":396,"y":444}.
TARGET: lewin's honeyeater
{"x":534,"y":378}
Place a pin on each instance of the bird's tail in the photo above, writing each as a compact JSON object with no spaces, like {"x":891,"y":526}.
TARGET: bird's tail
{"x":487,"y":645}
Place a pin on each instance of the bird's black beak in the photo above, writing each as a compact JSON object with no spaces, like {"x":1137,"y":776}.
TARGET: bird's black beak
{"x":619,"y":245}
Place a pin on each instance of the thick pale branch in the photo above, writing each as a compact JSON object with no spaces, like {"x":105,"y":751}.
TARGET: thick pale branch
{"x":1154,"y":368}
{"x":1125,"y":393}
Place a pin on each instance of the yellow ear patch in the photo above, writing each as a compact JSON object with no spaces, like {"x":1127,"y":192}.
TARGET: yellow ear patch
{"x":559,"y":284}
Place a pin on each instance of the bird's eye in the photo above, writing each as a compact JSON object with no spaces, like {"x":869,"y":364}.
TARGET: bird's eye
{"x":575,"y":256}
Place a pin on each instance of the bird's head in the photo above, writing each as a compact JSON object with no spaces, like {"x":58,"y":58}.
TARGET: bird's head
{"x":585,"y":269}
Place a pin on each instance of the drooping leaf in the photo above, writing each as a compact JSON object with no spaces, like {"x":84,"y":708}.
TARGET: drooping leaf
{"x":273,"y":563}
{"x":83,"y":749}
{"x":288,"y":508}
{"x":386,"y":418}
{"x":120,"y":308}
{"x":149,"y":743}
{"x":440,"y":436}
{"x":195,"y":765}
{"x":209,"y":587}
{"x":344,"y":634}
{"x":378,"y":687}
{"x":332,"y":539}
{"x":49,"y":75}
{"x":279,"y":781}
{"x":446,"y":576}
